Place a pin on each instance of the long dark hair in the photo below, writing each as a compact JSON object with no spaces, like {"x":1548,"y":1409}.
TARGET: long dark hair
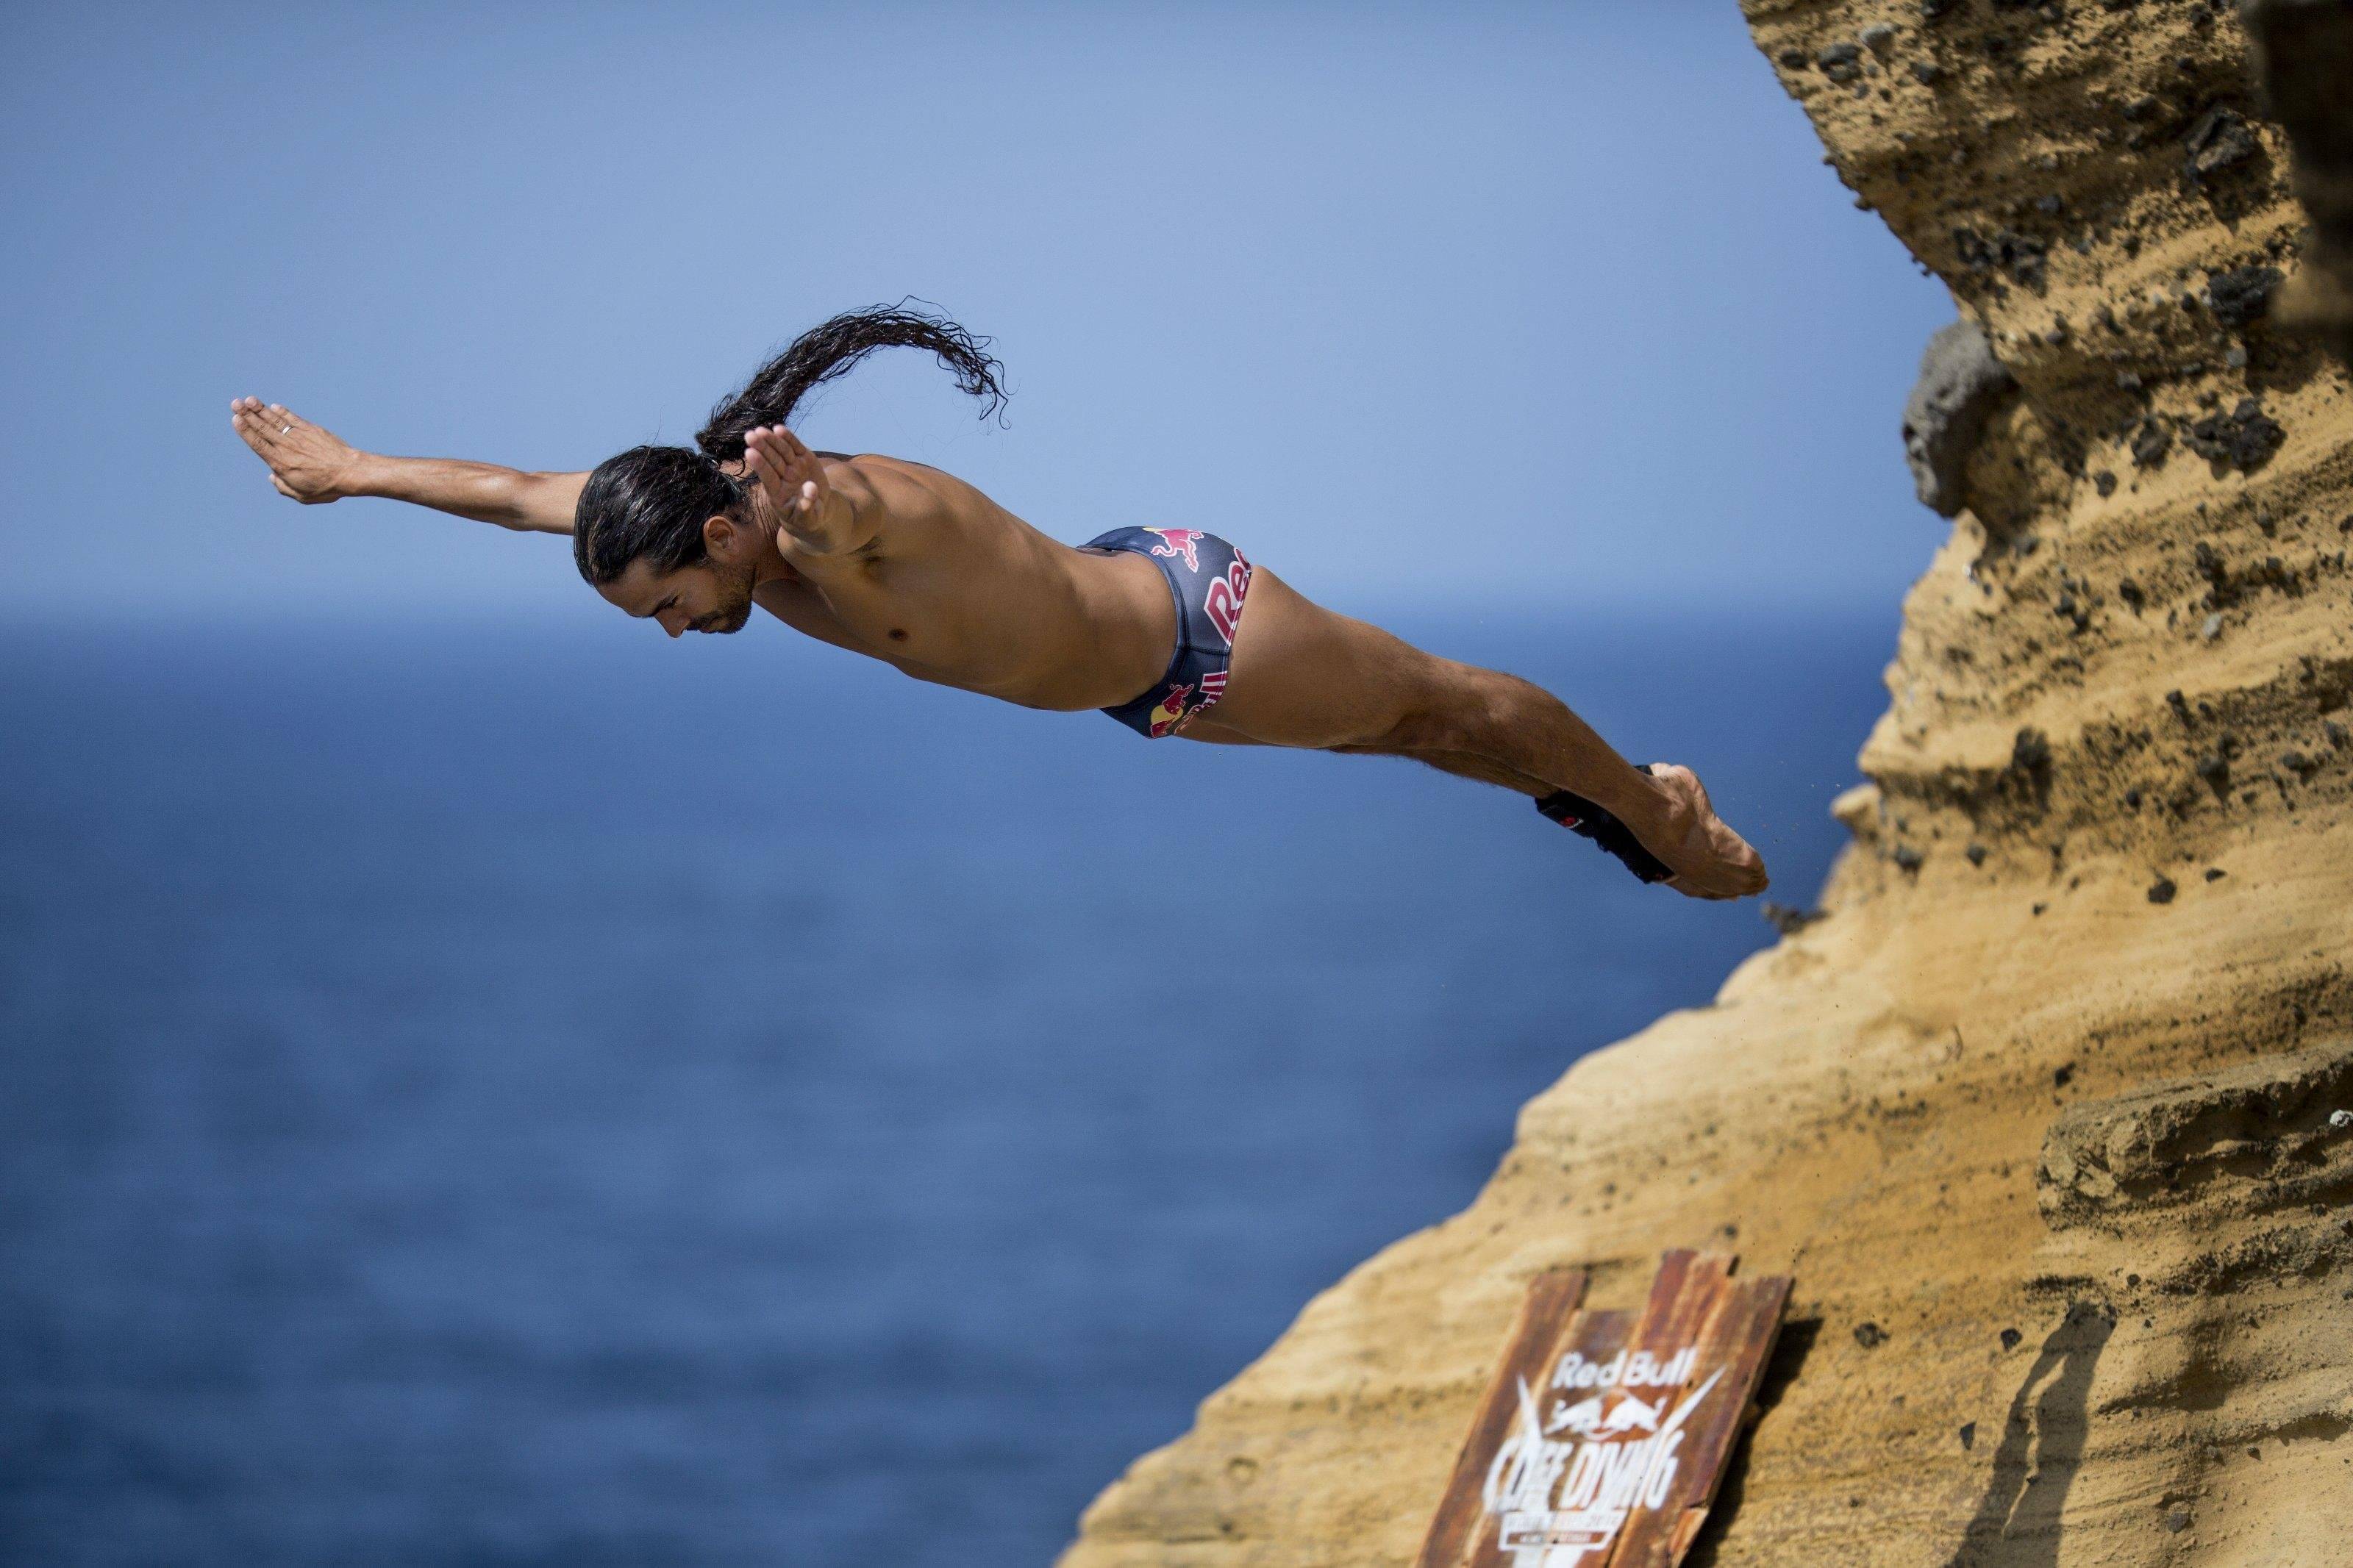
{"x":653,"y":500}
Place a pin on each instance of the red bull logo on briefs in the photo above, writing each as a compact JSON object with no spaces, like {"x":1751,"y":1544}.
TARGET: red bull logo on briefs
{"x":1180,"y":544}
{"x":1172,"y":711}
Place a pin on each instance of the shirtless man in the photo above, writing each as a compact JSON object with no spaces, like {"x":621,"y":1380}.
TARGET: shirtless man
{"x":913,"y":566}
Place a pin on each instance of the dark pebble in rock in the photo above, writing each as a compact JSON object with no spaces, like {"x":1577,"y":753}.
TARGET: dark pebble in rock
{"x":2243,"y":439}
{"x":2297,"y":762}
{"x":2061,"y":1076}
{"x":1907,"y":857}
{"x":1968,"y":1434}
{"x":2215,"y":873}
{"x":2180,"y":709}
{"x":2132,"y":799}
{"x":1787,"y":919}
{"x":2240,"y":296}
{"x":2161,"y":890}
{"x":2030,"y":751}
{"x":1794,"y":58}
{"x":2038,"y":909}
{"x":2129,"y":591}
{"x":1926,"y":73}
{"x":2022,"y":256}
{"x":1870,"y":1336}
{"x":2150,"y":444}
{"x":1976,"y":854}
{"x":2211,"y":768}
{"x":2104,"y":482}
{"x":1879,"y":38}
{"x":2009,"y":1338}
{"x":2177,"y":1522}
{"x":1841,"y":62}
{"x":2126,"y":381}
{"x":2335,"y":731}
{"x":2220,"y":140}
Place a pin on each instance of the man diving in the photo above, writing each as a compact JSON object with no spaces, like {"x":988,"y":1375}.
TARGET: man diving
{"x":1172,"y":631}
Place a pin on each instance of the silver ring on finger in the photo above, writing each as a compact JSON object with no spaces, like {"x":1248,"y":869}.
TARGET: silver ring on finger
{"x":283,"y":429}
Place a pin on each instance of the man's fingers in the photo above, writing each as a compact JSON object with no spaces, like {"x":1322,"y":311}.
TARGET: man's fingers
{"x":766,"y":461}
{"x":280,"y":485}
{"x":772,"y":469}
{"x":783,"y":467}
{"x":253,"y":432}
{"x":258,"y":418}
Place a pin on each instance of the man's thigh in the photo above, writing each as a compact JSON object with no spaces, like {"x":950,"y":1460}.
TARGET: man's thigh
{"x":1303,"y":676}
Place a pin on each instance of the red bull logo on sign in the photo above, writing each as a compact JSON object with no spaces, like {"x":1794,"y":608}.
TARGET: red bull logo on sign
{"x":1180,"y":544}
{"x":1604,"y":1433}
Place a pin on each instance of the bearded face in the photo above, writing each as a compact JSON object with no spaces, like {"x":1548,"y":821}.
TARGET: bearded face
{"x":710,"y":596}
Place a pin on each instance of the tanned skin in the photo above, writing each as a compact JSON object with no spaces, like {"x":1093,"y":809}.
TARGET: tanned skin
{"x":915,"y":567}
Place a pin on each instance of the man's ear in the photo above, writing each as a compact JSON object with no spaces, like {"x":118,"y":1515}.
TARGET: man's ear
{"x":727,"y":539}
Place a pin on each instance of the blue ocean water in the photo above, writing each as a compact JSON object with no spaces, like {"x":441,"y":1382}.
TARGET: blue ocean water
{"x":507,"y":1095}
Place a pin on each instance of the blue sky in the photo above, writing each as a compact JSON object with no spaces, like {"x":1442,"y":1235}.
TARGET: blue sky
{"x":1529,"y":307}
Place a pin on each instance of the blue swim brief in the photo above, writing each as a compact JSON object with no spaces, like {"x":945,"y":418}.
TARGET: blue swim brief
{"x":1209,"y":579}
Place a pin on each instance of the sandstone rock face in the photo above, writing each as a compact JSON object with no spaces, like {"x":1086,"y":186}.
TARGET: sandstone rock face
{"x":2043,"y":1116}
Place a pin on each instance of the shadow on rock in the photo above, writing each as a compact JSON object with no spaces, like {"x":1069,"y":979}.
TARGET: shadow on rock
{"x":1790,"y":1353}
{"x":2017,"y":1524}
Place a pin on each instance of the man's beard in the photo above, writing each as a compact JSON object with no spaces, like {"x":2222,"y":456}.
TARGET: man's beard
{"x":734,"y":601}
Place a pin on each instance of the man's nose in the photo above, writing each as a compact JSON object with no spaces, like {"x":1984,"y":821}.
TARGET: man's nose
{"x":675,"y":629}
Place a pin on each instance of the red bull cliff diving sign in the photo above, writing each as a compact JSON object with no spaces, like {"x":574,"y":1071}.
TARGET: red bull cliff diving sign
{"x":1604,"y":1434}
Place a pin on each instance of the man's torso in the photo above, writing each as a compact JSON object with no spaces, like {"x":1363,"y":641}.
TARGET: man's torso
{"x":954,"y":589}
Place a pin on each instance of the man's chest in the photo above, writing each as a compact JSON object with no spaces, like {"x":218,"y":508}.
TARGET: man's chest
{"x":932,"y":630}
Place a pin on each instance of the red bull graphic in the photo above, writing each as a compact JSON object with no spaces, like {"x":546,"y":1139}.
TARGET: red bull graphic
{"x":1207,"y":578}
{"x":1560,"y":1501}
{"x":1604,"y":1433}
{"x":1175,"y":707}
{"x":1223,"y":602}
{"x":1180,"y":544}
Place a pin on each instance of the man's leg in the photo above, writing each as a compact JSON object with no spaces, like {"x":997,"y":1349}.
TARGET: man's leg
{"x":1303,"y":676}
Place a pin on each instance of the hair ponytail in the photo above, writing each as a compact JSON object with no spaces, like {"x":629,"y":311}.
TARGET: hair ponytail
{"x":652,"y":501}
{"x":826,"y":351}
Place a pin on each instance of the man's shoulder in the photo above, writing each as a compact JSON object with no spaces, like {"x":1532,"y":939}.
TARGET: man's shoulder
{"x":903,"y":485}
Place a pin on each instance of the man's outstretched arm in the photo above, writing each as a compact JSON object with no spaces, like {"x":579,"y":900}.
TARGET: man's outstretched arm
{"x":312,"y":464}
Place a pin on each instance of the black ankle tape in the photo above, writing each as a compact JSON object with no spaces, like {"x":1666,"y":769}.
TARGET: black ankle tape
{"x":1581,"y":816}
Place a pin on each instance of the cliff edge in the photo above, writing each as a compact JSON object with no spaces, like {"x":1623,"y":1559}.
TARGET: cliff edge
{"x":2051,"y":1115}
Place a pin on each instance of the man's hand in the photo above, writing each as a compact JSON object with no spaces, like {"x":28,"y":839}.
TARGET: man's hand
{"x":790,"y":480}
{"x":307,"y":462}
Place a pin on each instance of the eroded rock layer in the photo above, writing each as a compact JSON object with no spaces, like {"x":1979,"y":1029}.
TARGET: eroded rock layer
{"x":2043,"y":1115}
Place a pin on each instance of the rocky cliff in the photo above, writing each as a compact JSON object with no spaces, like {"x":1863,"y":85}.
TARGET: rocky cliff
{"x":2043,"y":1112}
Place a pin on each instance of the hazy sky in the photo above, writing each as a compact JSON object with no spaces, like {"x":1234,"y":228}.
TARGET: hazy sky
{"x":1543,"y":305}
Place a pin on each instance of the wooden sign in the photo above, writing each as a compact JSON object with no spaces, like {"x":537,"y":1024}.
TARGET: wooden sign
{"x":1603,"y":1434}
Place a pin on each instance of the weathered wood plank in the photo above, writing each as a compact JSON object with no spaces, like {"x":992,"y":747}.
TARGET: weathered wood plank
{"x":1733,"y":1325}
{"x":1544,"y":1318}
